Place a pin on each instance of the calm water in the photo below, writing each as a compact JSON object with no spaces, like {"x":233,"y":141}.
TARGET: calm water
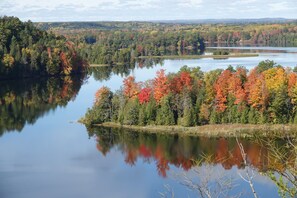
{"x":44,"y":153}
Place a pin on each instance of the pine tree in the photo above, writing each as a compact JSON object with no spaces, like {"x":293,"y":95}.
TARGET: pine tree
{"x":188,"y":118}
{"x":164,"y":113}
{"x":131,"y":112}
{"x":150,"y":112}
{"x":142,"y":120}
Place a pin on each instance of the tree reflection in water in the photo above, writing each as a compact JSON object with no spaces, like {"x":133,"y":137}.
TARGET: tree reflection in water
{"x":273,"y":157}
{"x":24,"y":101}
{"x":103,"y":73}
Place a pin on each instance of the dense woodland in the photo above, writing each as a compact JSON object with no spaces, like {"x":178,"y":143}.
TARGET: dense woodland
{"x":118,"y":42}
{"x":27,"y":51}
{"x":24,"y":101}
{"x":266,"y":94}
{"x":113,"y":47}
{"x":262,"y":34}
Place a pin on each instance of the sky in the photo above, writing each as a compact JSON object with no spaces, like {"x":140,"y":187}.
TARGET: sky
{"x":145,"y":10}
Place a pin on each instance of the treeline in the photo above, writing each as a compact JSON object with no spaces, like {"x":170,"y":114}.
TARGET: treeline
{"x":28,"y":51}
{"x":266,"y":94}
{"x":283,"y":34}
{"x":269,"y":34}
{"x":121,"y":42}
{"x":24,"y":101}
{"x":111,"y":47}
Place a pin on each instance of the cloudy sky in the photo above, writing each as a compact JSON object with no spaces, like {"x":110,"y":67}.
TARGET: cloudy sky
{"x":123,"y":10}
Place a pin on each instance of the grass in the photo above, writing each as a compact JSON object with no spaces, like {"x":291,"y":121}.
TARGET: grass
{"x":99,"y":65}
{"x":105,"y":65}
{"x":201,"y":56}
{"x":219,"y":130}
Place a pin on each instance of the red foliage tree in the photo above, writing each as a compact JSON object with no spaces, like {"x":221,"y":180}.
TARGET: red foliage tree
{"x":221,"y":88}
{"x":144,"y":95}
{"x":161,"y":85}
{"x":181,"y":82}
{"x":230,"y":84}
{"x":256,"y":90}
{"x":103,"y":91}
{"x":131,"y":88}
{"x":236,"y":85}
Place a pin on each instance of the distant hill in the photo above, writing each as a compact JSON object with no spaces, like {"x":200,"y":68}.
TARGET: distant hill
{"x":111,"y":25}
{"x":229,"y":21}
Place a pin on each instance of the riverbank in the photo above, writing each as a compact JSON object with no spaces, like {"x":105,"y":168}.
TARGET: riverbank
{"x":240,"y":55}
{"x":106,"y":65}
{"x":219,"y":130}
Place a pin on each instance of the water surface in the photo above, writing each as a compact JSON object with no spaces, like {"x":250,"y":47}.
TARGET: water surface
{"x":44,"y":153}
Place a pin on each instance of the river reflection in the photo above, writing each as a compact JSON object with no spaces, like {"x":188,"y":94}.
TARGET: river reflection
{"x":24,"y":101}
{"x":268,"y":157}
{"x":104,"y":73}
{"x":52,"y":157}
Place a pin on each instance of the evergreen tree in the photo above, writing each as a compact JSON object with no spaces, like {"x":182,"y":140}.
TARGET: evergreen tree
{"x":142,"y":120}
{"x":188,"y":118}
{"x":164,"y":113}
{"x":102,"y":110}
{"x":131,"y":112}
{"x":150,"y":112}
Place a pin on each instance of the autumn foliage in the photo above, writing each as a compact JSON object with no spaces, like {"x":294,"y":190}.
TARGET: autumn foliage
{"x":265,"y":94}
{"x":168,"y":151}
{"x":161,"y":85}
{"x":144,"y":95}
{"x":181,"y":81}
{"x":100,"y":94}
{"x":131,"y":88}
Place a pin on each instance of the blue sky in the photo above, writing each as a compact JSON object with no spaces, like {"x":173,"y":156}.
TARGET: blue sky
{"x":124,"y":10}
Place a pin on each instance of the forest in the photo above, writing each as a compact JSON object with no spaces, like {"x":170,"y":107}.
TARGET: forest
{"x":118,"y":47}
{"x":266,"y":94}
{"x":118,"y":42}
{"x":26,"y":51}
{"x":29,"y":49}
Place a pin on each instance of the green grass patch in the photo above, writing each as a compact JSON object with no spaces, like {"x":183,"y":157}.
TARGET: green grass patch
{"x":217,"y":130}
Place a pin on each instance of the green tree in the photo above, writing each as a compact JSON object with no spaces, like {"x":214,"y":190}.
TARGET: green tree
{"x":131,"y":112}
{"x":188,"y":118}
{"x":265,"y":65}
{"x":165,"y":114}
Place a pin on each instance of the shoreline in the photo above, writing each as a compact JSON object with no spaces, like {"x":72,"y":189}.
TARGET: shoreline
{"x":201,"y":56}
{"x":216,"y":130}
{"x":105,"y":65}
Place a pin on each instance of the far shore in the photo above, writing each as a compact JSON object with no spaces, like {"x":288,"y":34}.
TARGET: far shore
{"x":218,"y":130}
{"x":239,"y":55}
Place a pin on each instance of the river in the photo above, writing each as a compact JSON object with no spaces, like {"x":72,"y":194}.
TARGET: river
{"x":45,"y":153}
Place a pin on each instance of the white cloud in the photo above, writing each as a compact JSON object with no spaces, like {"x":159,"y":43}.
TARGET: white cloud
{"x":32,"y":5}
{"x":243,"y":2}
{"x":280,"y":6}
{"x":190,"y":3}
{"x":71,"y":10}
{"x":137,"y":4}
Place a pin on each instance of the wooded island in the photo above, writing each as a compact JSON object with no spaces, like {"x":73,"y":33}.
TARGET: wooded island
{"x":266,"y":94}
